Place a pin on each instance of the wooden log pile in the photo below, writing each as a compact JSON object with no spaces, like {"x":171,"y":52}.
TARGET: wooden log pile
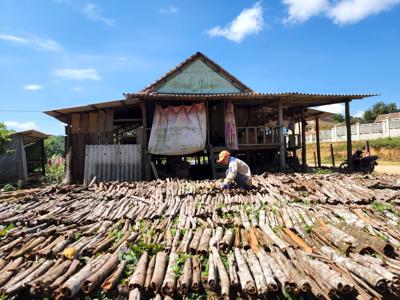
{"x":323,"y":236}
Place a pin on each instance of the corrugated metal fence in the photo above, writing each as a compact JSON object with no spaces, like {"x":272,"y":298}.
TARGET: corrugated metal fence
{"x":113,"y":162}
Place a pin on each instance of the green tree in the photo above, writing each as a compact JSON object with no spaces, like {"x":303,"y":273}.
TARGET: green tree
{"x":338,"y":118}
{"x":379,"y":108}
{"x":54,"y":145}
{"x":4,"y":137}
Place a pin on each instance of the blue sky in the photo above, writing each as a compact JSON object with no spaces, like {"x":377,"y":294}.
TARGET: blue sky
{"x":64,"y":53}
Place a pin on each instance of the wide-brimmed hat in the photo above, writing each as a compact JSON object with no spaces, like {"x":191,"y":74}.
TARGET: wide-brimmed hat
{"x":222,"y":155}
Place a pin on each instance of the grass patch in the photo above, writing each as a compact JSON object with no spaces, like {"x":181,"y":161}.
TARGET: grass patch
{"x":388,"y":149}
{"x":324,"y":171}
{"x":381,"y":207}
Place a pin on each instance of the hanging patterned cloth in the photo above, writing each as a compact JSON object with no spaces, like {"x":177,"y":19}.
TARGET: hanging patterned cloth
{"x":230,"y":127}
{"x":178,"y":130}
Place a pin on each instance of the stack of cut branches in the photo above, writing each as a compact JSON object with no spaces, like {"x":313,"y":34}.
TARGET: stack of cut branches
{"x":332,"y":236}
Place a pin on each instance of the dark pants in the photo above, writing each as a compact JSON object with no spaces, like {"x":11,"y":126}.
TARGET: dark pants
{"x":242,"y":181}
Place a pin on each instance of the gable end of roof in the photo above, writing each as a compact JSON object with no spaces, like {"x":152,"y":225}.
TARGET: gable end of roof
{"x":210,"y":63}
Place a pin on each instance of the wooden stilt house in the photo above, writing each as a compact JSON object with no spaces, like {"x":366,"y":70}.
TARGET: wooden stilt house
{"x":110,"y":140}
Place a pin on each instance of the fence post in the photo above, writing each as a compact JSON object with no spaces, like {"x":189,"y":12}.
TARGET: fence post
{"x":387,"y":127}
{"x":315,"y":159}
{"x":332,"y":156}
{"x":383,"y":128}
{"x":358,"y":131}
{"x":335,"y":135}
{"x":368,"y":149}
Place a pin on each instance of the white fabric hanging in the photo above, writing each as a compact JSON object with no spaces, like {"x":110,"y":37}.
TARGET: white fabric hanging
{"x":178,"y":130}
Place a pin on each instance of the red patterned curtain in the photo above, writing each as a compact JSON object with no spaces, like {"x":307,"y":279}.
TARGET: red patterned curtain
{"x":230,"y":127}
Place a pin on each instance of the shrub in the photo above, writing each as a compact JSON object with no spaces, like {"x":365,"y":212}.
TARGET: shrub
{"x":54,"y":174}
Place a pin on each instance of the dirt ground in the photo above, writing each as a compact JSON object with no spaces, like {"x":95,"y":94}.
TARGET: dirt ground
{"x":388,"y":169}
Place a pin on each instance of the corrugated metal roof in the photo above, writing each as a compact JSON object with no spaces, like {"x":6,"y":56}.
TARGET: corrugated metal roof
{"x":61,"y":113}
{"x":242,"y":95}
{"x":30,"y":136}
{"x":136,"y":98}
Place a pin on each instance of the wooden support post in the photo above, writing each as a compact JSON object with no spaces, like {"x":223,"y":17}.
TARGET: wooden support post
{"x":68,"y":153}
{"x":332,"y":156}
{"x":43,"y":157}
{"x":281,"y":138}
{"x":146,"y":158}
{"x":368,"y":149}
{"x":303,"y":142}
{"x":318,"y":142}
{"x":264,"y":134}
{"x":208,"y":124}
{"x":315,"y":159}
{"x":210,"y":159}
{"x":348,"y":132}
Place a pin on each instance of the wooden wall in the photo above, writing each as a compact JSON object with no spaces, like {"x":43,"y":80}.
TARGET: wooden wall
{"x":217,"y":124}
{"x":92,"y":128}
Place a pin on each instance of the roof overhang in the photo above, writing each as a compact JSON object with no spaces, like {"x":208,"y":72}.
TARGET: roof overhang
{"x":30,"y":136}
{"x":289,"y":100}
{"x":62,"y":113}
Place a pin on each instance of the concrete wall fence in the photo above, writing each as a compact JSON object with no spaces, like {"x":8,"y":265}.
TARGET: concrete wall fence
{"x":359,"y":132}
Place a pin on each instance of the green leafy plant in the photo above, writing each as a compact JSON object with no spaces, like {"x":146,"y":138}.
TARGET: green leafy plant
{"x":54,"y":174}
{"x":8,"y":188}
{"x":54,"y":146}
{"x":277,"y":229}
{"x":382,"y":236}
{"x":204,"y":264}
{"x":117,"y":234}
{"x":139,"y":247}
{"x":225,"y":261}
{"x":383,"y":206}
{"x":307,"y":228}
{"x":85,"y":259}
{"x":4,"y":137}
{"x":199,"y":295}
{"x":77,"y":236}
{"x":5,"y":230}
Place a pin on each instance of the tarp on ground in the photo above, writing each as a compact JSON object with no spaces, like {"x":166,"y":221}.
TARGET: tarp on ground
{"x":178,"y":130}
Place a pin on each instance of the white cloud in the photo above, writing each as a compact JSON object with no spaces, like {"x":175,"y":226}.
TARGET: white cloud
{"x":77,"y":74}
{"x":359,"y":113}
{"x":336,"y":108}
{"x":77,"y":89}
{"x":93,"y":12}
{"x":32,"y":41}
{"x":21,"y":126}
{"x":33,"y":87}
{"x":169,"y":10}
{"x":122,"y":59}
{"x":341,"y":12}
{"x":249,"y":21}
{"x":302,"y":10}
{"x":352,"y":11}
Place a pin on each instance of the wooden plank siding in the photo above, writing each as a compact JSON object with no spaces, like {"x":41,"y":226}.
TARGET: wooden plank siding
{"x":93,"y":128}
